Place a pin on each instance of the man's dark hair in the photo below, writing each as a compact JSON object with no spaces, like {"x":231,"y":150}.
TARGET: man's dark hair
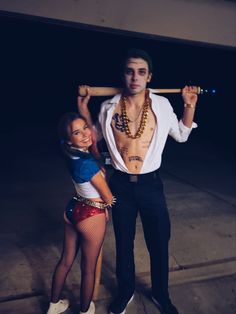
{"x":138,"y":53}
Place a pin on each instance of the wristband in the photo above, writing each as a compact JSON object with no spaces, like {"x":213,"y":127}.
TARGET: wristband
{"x":189,"y":106}
{"x":113,"y":201}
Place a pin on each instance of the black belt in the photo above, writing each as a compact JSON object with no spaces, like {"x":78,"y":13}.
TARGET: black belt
{"x":135,"y":178}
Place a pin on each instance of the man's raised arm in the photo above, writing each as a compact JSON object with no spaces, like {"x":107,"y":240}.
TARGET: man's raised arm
{"x":190,"y":100}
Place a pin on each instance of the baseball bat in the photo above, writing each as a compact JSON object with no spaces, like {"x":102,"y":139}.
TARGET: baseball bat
{"x":109,"y":91}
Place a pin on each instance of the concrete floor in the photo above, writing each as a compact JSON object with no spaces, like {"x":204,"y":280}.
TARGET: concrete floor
{"x":200,"y":187}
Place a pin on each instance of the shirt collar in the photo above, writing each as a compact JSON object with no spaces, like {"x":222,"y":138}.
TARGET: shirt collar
{"x":114,"y":101}
{"x":117,"y":97}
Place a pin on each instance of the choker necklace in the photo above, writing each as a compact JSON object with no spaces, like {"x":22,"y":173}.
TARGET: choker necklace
{"x":146,"y":105}
{"x":75,"y":152}
{"x":83,"y":150}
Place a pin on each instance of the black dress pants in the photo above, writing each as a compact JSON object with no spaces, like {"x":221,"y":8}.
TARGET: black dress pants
{"x":141,"y":194}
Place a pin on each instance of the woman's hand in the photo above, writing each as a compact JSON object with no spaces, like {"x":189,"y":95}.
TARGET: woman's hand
{"x":107,"y":214}
{"x":82,"y":103}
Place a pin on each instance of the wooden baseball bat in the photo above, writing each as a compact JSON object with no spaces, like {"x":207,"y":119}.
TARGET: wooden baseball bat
{"x":110,"y":91}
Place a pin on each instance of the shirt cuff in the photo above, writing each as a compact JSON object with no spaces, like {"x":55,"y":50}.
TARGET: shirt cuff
{"x":184,"y":128}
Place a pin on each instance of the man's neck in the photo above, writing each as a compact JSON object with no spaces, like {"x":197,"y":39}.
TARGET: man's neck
{"x":136,"y":99}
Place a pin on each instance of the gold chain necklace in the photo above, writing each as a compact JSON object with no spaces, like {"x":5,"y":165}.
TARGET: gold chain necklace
{"x":144,"y":116}
{"x":131,"y":121}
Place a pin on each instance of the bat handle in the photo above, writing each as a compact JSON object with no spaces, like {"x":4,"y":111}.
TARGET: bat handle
{"x":99,"y":91}
{"x":197,"y":90}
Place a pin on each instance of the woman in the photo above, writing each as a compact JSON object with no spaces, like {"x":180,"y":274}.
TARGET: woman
{"x":85,"y":216}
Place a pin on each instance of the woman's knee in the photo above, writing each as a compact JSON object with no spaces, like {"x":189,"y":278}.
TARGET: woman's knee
{"x":66,"y":262}
{"x":88,"y":268}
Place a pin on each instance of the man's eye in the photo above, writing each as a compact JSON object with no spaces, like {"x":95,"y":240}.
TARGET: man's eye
{"x":128,"y":72}
{"x":142,"y":72}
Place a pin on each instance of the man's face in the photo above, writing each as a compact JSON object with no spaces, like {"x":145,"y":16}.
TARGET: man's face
{"x":136,"y":75}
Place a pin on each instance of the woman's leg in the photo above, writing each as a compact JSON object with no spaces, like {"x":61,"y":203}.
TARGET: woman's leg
{"x":92,"y":232}
{"x":70,"y":248}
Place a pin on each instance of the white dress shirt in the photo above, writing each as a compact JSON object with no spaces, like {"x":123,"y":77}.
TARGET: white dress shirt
{"x":167,"y":124}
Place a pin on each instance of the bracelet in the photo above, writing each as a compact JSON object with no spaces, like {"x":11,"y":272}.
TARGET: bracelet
{"x":109,"y":205}
{"x":189,"y":106}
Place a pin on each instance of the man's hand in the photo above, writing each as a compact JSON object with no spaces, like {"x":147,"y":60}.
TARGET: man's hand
{"x":189,"y":94}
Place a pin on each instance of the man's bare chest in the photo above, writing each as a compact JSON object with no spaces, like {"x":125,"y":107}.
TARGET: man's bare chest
{"x":133,"y":150}
{"x":119,"y":127}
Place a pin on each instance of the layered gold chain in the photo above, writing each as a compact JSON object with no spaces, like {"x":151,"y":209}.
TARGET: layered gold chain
{"x":146,"y":105}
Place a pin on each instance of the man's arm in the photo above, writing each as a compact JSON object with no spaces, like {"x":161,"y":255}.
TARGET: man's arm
{"x":190,"y":100}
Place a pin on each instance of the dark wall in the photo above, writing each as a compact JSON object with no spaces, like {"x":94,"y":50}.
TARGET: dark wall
{"x":42,"y":65}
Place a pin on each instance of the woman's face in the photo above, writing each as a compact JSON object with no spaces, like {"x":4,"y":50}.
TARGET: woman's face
{"x":80,"y":134}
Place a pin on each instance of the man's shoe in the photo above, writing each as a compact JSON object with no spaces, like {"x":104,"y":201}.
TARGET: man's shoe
{"x":165,"y":308}
{"x":119,"y":305}
{"x":59,"y":307}
{"x":91,"y":309}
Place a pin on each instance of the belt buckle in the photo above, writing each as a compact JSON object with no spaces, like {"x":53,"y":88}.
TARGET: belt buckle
{"x":133,"y":178}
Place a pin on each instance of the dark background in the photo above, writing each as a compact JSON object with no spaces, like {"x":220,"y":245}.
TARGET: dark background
{"x":42,"y":64}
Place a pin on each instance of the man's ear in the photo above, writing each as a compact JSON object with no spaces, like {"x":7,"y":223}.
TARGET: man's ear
{"x":149,"y":77}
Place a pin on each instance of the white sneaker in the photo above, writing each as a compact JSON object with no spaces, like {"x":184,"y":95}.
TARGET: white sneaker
{"x":59,"y":307}
{"x":91,"y":309}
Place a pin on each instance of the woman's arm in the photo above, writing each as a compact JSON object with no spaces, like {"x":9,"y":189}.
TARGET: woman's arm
{"x":99,"y":182}
{"x":82,"y":105}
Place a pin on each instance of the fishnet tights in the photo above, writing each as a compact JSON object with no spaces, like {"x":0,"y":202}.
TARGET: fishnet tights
{"x":88,"y":234}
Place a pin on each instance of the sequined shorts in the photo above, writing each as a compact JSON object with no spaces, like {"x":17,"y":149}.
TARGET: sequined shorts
{"x":79,"y":209}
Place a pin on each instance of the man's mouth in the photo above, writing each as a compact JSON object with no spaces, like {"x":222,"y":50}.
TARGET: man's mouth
{"x":133,"y":86}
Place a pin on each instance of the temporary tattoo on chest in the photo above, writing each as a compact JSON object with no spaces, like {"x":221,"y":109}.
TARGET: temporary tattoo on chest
{"x":145,"y":144}
{"x":119,"y":122}
{"x":123,"y":151}
{"x":135,"y":158}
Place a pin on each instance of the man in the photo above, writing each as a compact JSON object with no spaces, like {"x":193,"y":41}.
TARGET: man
{"x":135,"y":126}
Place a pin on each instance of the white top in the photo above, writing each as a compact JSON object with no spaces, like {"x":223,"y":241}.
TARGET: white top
{"x":86,"y":190}
{"x":167,"y":123}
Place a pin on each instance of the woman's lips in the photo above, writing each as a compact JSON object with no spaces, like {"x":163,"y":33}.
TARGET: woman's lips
{"x":87,"y":140}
